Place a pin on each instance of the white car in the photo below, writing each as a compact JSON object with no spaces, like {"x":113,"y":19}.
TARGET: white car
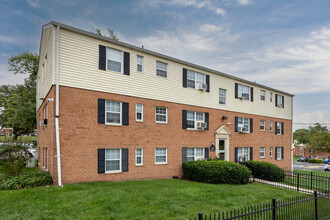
{"x":327,"y":167}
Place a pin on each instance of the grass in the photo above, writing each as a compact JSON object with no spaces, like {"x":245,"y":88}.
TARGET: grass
{"x":150,"y":199}
{"x":22,"y":139}
{"x":295,"y":158}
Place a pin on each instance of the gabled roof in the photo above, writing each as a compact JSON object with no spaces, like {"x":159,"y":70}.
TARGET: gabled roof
{"x":93,"y":35}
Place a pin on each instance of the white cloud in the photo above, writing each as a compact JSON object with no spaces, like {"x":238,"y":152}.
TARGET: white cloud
{"x":244,"y":2}
{"x":309,"y":118}
{"x":33,"y":3}
{"x":7,"y":39}
{"x":7,"y":77}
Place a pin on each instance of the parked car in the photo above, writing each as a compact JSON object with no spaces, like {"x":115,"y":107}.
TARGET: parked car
{"x":327,"y":167}
{"x":302,"y":159}
{"x":326,"y":160}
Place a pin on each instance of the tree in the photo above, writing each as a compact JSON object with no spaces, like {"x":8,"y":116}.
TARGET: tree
{"x":18,"y":102}
{"x":301,"y":136}
{"x":111,"y":32}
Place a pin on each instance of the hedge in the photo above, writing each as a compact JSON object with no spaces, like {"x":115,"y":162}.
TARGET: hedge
{"x":25,"y":181}
{"x":265,"y":170}
{"x":224,"y":172}
{"x":315,"y":161}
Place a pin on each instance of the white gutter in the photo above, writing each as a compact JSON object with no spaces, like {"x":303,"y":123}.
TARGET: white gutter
{"x":59,"y":180}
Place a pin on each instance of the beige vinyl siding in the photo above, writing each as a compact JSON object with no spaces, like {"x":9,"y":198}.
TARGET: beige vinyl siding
{"x":79,"y":57}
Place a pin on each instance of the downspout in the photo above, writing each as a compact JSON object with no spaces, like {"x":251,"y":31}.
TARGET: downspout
{"x":57,"y":111}
{"x":292,"y":134}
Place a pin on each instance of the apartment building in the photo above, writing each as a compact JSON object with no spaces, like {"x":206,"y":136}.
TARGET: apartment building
{"x":111,"y":111}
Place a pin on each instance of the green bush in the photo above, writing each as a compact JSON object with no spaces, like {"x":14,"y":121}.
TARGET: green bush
{"x":13,"y":158}
{"x":315,"y":161}
{"x":224,"y":172}
{"x":25,"y":181}
{"x":265,"y":170}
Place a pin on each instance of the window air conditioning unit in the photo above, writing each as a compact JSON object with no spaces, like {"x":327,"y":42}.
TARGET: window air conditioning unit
{"x":45,"y":121}
{"x":41,"y":123}
{"x":244,"y":96}
{"x":280,"y":105}
{"x":243,"y":129}
{"x":201,"y":125}
{"x":202,"y":86}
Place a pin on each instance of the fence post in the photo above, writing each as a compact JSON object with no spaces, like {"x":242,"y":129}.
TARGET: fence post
{"x":298,"y":182}
{"x":253,"y":174}
{"x":200,"y":216}
{"x":316,"y":206}
{"x":311,"y":180}
{"x":274,"y":209}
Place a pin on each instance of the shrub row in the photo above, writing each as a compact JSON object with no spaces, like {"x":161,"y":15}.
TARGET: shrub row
{"x":213,"y":171}
{"x":25,"y":181}
{"x":265,"y":170}
{"x":315,"y":161}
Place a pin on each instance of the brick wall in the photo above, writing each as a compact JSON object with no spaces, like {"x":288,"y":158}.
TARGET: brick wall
{"x":81,"y":136}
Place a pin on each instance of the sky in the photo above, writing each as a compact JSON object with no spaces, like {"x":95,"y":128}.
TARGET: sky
{"x":282,"y":44}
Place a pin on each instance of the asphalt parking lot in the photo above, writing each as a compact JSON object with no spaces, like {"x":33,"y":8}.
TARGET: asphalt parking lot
{"x":308,"y":166}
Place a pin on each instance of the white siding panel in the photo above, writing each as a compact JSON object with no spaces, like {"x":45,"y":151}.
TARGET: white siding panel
{"x":79,"y":57}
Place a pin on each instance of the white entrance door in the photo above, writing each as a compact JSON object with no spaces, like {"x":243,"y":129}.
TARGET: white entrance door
{"x":222,"y":149}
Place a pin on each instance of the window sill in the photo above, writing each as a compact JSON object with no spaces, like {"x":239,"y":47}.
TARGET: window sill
{"x":161,"y":163}
{"x":139,"y":121}
{"x":262,"y":157}
{"x":139,"y":165}
{"x":112,"y":172}
{"x":160,"y":122}
{"x":113,"y":124}
{"x":262,"y":130}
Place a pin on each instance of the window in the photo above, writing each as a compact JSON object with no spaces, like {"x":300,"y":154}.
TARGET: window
{"x":161,"y":69}
{"x":263,"y":95}
{"x":139,"y":112}
{"x":161,"y":114}
{"x":271,"y":97}
{"x":279,"y":101}
{"x":139,"y":157}
{"x":262,"y":125}
{"x":195,"y":79}
{"x":243,"y":92}
{"x":243,"y":154}
{"x":278,"y":128}
{"x":271,"y":152}
{"x":244,"y":123}
{"x":113,"y":160}
{"x":112,"y":112}
{"x":278,"y":153}
{"x":262,"y":152}
{"x":222,"y":96}
{"x":193,"y":118}
{"x":161,"y":156}
{"x":139,"y":67}
{"x":195,"y":154}
{"x":271,"y":125}
{"x":114,"y":60}
{"x":301,"y":148}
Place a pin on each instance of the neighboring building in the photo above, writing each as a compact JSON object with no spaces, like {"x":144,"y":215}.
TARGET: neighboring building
{"x":6,"y":131}
{"x":127,"y":113}
{"x":300,"y":150}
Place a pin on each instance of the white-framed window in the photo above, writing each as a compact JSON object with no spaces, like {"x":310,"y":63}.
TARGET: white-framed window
{"x":139,"y":112}
{"x":161,"y":155}
{"x":138,"y":156}
{"x":195,"y":154}
{"x":279,"y":153}
{"x":244,"y":92}
{"x":271,"y":125}
{"x":139,"y":61}
{"x":262,"y":95}
{"x":262,"y":125}
{"x":113,"y":112}
{"x":195,"y":79}
{"x":271,"y":97}
{"x":161,"y":114}
{"x":271,"y":151}
{"x":262,"y":152}
{"x":114,"y":60}
{"x":193,"y":118}
{"x":222,"y":96}
{"x":279,"y":101}
{"x":245,"y":123}
{"x":278,"y":128}
{"x":112,"y":160}
{"x":243,"y":154}
{"x":161,"y":69}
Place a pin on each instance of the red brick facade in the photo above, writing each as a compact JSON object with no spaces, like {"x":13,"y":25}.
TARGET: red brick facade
{"x":300,"y":151}
{"x":81,"y":136}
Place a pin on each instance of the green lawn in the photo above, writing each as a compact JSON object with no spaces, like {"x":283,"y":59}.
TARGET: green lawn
{"x":23,"y":139}
{"x":149,"y":199}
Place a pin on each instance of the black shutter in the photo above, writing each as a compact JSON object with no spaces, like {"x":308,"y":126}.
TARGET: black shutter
{"x":126,"y":63}
{"x":207,"y":120}
{"x":236,"y":154}
{"x":236,"y":124}
{"x":282,"y":128}
{"x":102,"y":57}
{"x":251,"y":153}
{"x":282,"y":101}
{"x":184,"y":154}
{"x":124,"y":159}
{"x":184,"y":119}
{"x":100,"y":160}
{"x":282,"y":153}
{"x":101,"y":111}
{"x":206,"y":153}
{"x":276,"y":130}
{"x":251,"y":125}
{"x":184,"y":77}
{"x":251,"y":94}
{"x":275,"y":153}
{"x":236,"y":90}
{"x":125,"y":116}
{"x":208,"y":83}
{"x":276,"y":100}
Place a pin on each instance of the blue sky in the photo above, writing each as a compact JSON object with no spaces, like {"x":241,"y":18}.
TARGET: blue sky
{"x":282,"y":44}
